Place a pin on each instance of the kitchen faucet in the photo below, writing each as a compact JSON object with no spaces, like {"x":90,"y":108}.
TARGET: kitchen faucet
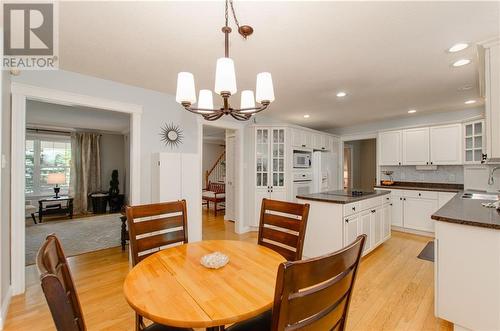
{"x":491,"y":180}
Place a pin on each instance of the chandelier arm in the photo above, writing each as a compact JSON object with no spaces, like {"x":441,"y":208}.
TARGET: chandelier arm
{"x":251,"y":110}
{"x":197,"y":110}
{"x":212,"y":117}
{"x":241,"y":117}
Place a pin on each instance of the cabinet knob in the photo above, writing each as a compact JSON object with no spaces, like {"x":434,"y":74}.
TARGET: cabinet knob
{"x":420,"y":194}
{"x":390,"y":204}
{"x":426,"y":162}
{"x":353,"y":208}
{"x":303,"y":145}
{"x":347,"y":220}
{"x":400,"y":199}
{"x":432,"y":162}
{"x":399,"y":163}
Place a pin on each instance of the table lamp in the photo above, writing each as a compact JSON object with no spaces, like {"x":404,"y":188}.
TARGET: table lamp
{"x":56,"y":179}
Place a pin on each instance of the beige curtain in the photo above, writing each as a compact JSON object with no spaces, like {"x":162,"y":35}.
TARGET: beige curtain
{"x":86,"y":168}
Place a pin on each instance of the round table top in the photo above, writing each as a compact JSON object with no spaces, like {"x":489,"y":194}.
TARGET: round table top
{"x":171,"y":287}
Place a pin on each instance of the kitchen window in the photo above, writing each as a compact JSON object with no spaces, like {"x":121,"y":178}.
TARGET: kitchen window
{"x":46,"y":154}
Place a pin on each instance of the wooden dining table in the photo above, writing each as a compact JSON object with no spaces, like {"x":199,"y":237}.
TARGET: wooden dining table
{"x":171,"y":287}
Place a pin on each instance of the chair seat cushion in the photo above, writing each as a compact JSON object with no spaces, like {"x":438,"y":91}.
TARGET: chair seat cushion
{"x":261,"y":322}
{"x":210,"y":194}
{"x":159,"y":327}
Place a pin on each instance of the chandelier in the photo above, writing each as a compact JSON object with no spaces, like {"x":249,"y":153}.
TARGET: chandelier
{"x":225,"y":85}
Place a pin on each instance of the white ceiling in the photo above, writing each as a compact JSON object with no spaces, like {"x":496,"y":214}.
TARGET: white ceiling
{"x":213,"y":134}
{"x":43,"y":114}
{"x":389,"y":56}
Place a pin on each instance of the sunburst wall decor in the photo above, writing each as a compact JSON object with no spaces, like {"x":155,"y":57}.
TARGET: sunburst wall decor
{"x":171,"y":135}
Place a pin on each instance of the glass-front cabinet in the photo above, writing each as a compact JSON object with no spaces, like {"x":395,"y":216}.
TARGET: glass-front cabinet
{"x":270,"y":157}
{"x":278,"y":158}
{"x":474,"y":141}
{"x":262,"y":157}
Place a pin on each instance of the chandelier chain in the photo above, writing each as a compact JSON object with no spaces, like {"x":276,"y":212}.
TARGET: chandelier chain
{"x":234,"y":14}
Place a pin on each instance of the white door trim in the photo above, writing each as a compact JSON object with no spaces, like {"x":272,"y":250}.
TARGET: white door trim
{"x":23,"y":92}
{"x":239,"y":224}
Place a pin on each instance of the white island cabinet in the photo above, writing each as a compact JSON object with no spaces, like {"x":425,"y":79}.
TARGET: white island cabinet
{"x":335,"y":221}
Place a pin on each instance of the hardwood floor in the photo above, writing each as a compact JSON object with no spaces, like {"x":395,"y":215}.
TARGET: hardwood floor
{"x":394,"y":290}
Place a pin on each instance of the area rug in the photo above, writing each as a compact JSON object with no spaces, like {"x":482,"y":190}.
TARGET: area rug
{"x":428,"y":252}
{"x":81,"y":235}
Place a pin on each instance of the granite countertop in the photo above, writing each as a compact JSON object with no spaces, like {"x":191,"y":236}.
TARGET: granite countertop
{"x":468,"y":212}
{"x":417,"y":186}
{"x":325,"y":197}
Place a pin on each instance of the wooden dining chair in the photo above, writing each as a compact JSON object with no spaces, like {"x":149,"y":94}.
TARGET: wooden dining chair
{"x":60,"y":292}
{"x":152,"y":227}
{"x":311,"y":294}
{"x":283,"y":226}
{"x":147,"y":226}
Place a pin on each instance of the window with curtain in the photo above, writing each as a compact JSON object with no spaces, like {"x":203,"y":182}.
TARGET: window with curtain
{"x":46,"y":154}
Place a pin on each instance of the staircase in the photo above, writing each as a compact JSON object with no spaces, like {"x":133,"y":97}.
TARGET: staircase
{"x":217,"y":174}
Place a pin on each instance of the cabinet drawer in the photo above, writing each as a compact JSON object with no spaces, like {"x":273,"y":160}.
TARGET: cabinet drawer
{"x":421,"y":194}
{"x":351,"y":208}
{"x":387,"y":198}
{"x":370,"y":203}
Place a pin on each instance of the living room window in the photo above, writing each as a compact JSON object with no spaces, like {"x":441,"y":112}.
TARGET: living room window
{"x":46,"y":154}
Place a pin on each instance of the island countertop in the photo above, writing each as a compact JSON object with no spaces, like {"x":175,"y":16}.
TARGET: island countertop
{"x":421,"y":186}
{"x":341,"y":199}
{"x":468,"y":212}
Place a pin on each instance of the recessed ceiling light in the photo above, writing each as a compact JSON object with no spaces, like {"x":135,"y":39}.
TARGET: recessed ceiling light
{"x":458,"y":47}
{"x":461,"y":62}
{"x":412,"y":111}
{"x":341,"y":94}
{"x":470,"y":102}
{"x":307,"y":116}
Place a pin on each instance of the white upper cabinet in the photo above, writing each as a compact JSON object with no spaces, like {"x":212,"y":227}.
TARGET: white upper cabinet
{"x":296,"y":138}
{"x":390,"y":147}
{"x":416,"y":146}
{"x":446,"y":144}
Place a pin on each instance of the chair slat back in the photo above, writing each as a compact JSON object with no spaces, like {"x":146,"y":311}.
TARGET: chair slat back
{"x":58,"y":286}
{"x":283,"y":226}
{"x":314,"y":294}
{"x":154,"y":226}
{"x":217,"y":187}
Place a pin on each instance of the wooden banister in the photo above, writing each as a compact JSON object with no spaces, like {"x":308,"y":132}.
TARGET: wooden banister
{"x":209,"y":172}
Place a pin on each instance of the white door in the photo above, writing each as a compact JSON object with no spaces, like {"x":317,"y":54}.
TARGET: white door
{"x":417,"y":213}
{"x":416,"y":146}
{"x":397,"y":211}
{"x":386,"y":217}
{"x":262,"y":181}
{"x":364,"y":228}
{"x":390,"y":147}
{"x":277,"y":171}
{"x":230,"y":182}
{"x":446,"y":144}
{"x":376,"y":226}
{"x":351,"y":225}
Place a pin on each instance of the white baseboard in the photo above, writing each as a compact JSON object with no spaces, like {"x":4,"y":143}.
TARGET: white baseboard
{"x":5,"y":307}
{"x":412,"y":231}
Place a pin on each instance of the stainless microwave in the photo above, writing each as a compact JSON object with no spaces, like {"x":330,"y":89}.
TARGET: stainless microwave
{"x":301,"y":159}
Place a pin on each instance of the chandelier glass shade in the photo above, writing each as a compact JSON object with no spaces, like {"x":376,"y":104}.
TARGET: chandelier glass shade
{"x":225,"y":86}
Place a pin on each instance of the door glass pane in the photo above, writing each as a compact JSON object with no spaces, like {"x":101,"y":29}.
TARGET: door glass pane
{"x":281,"y":179}
{"x":281,"y":150}
{"x":264,"y":136}
{"x":275,"y":179}
{"x":264,"y":164}
{"x":478,"y":128}
{"x":282,"y":136}
{"x":281,"y":166}
{"x":478,"y":154}
{"x":264,"y":179}
{"x":259,"y":179}
{"x":259,"y":164}
{"x":468,"y":130}
{"x":275,"y":150}
{"x":468,"y":155}
{"x":275,"y":164}
{"x":275,"y":136}
{"x":478,"y":142}
{"x":468,"y":142}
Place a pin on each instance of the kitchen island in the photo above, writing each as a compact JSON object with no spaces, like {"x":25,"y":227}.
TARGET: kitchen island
{"x":336,"y":218}
{"x":467,"y":262}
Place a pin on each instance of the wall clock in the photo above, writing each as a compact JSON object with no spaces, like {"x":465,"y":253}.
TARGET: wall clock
{"x":171,"y":135}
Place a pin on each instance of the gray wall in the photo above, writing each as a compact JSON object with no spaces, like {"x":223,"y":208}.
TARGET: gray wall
{"x":158,"y":109}
{"x":5,"y":189}
{"x":364,"y":163}
{"x":112,"y":157}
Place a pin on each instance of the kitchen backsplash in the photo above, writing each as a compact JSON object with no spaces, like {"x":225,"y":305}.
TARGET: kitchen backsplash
{"x":443,"y":174}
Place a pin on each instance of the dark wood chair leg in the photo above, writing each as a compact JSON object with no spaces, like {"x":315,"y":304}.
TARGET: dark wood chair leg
{"x":215,"y":208}
{"x":33,"y":217}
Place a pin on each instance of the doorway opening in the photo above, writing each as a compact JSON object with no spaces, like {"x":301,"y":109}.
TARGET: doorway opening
{"x":76,"y":167}
{"x":360,"y":164}
{"x":219,"y":184}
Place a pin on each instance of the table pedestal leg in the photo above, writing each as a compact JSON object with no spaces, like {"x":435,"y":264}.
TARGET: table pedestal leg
{"x":216,"y":328}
